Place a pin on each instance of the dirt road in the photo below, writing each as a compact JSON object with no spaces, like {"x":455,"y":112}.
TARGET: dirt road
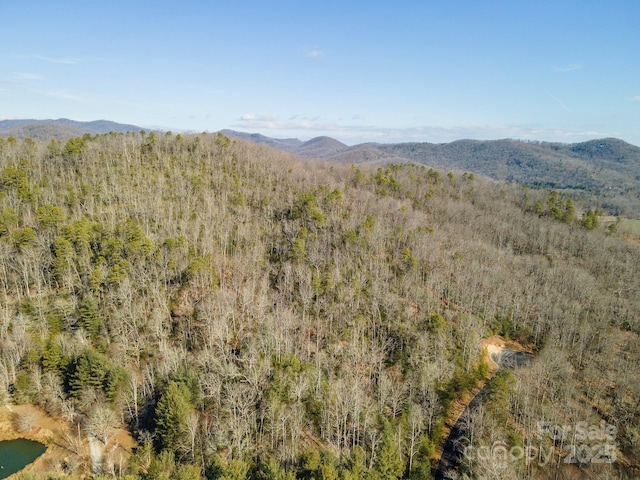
{"x":452,"y":449}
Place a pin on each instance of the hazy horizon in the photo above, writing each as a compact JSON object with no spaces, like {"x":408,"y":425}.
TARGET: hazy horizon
{"x":360,"y":72}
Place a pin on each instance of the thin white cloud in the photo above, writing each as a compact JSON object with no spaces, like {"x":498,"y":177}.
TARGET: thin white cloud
{"x":57,"y":94}
{"x":569,"y":68}
{"x":252,"y":117}
{"x":29,"y":76}
{"x":63,"y":61}
{"x":305,"y":128}
{"x":560,"y":102}
{"x":270,"y":123}
{"x":634,"y":99}
{"x":314,"y":54}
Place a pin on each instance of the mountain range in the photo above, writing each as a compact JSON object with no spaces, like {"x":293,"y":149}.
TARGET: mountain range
{"x":603,"y":172}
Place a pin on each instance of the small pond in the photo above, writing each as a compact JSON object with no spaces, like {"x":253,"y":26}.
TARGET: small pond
{"x":17,"y":454}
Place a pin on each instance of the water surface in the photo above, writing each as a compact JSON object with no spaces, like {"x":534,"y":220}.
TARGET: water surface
{"x":17,"y":454}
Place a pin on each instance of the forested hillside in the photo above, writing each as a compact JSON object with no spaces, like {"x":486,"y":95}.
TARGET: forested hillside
{"x":602,"y":173}
{"x":247,"y":315}
{"x":60,"y":129}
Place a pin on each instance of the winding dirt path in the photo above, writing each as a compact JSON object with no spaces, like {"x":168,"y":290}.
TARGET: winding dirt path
{"x":501,"y":355}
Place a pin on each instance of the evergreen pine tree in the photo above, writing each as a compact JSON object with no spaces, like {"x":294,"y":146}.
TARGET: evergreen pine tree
{"x":171,"y":414}
{"x":389,"y":462}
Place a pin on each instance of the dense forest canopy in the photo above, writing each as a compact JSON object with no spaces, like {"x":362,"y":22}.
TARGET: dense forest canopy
{"x":249,"y":315}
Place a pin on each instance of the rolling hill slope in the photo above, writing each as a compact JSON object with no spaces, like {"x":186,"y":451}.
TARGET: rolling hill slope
{"x":602,"y":173}
{"x":60,"y":129}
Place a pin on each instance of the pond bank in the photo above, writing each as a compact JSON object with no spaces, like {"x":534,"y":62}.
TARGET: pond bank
{"x":64,"y":448}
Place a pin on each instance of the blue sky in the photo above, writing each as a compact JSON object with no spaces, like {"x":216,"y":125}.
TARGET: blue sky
{"x":358,"y":71}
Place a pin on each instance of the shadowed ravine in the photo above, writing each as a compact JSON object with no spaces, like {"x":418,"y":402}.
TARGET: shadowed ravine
{"x":452,"y":449}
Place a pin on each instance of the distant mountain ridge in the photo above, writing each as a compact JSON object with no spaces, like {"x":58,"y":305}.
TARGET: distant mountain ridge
{"x":320,"y":147}
{"x":604,"y":172}
{"x":286,"y":144}
{"x":61,"y":128}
